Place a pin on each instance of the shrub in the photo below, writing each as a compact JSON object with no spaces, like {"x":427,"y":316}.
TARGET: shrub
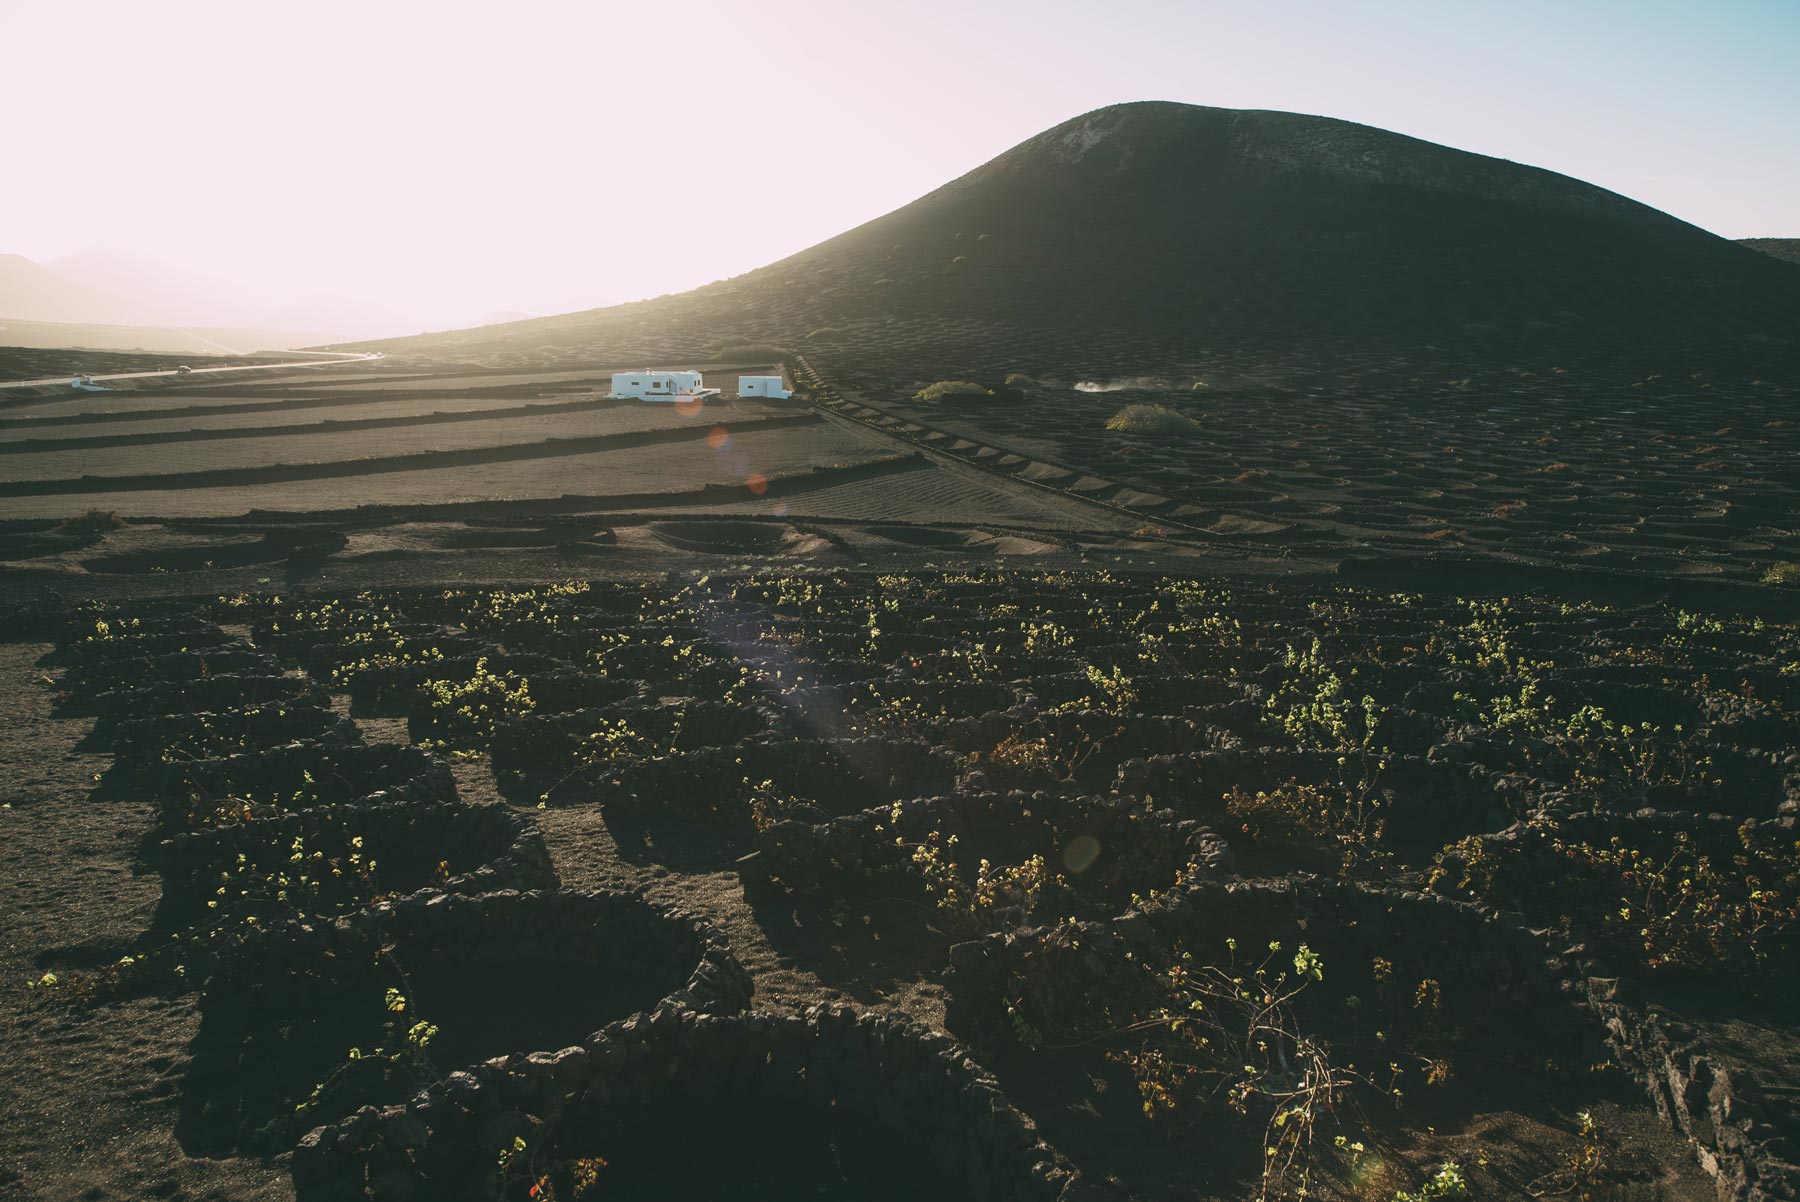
{"x":1151,"y":419}
{"x":96,"y":522}
{"x":995,"y":899}
{"x":464,"y":714}
{"x":1782,"y":573}
{"x":1203,"y":1035}
{"x":1293,"y":817}
{"x":945,"y":389}
{"x":1019,"y":379}
{"x":1020,"y":761}
{"x":1447,"y":1182}
{"x":1679,"y":906}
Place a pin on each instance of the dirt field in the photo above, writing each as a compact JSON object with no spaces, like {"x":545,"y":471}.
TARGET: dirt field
{"x":1090,"y":752}
{"x":1664,"y":465}
{"x":1350,"y":798}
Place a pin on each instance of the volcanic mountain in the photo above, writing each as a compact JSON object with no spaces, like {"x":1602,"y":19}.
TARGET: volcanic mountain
{"x":1787,"y":249}
{"x":1188,"y":227}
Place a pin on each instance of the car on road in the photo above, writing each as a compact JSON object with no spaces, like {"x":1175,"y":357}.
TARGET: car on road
{"x":183,"y":370}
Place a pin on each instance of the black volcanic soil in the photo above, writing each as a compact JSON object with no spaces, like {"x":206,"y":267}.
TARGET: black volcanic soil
{"x":1192,"y":679}
{"x":1670,"y":464}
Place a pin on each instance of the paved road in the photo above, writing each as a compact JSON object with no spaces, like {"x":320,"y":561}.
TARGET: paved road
{"x":316,"y":359}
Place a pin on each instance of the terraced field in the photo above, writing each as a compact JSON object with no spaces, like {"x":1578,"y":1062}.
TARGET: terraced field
{"x":358,"y":453}
{"x":955,"y":884}
{"x":1658,"y":465}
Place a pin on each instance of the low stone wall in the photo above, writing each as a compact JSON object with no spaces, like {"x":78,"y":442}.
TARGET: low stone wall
{"x":841,"y":856}
{"x":394,"y":689}
{"x":328,"y":651}
{"x":487,"y":847}
{"x":321,"y":773}
{"x":207,"y":694}
{"x":140,"y":742}
{"x":1476,"y":958}
{"x":565,"y":690}
{"x":90,"y":652}
{"x":1423,"y":801}
{"x":839,"y":776}
{"x":539,"y":749}
{"x":232,"y":658}
{"x":832,"y":1066}
{"x":619,"y":931}
{"x":1735,"y":1132}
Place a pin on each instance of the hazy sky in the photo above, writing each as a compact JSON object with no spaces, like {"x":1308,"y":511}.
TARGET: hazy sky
{"x":444,"y":160}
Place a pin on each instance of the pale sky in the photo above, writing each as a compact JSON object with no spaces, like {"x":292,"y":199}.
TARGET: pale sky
{"x":444,"y":160}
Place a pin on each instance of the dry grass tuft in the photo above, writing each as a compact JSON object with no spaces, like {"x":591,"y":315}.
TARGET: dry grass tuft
{"x":949,"y":389}
{"x":1151,"y":419}
{"x":92,"y":524}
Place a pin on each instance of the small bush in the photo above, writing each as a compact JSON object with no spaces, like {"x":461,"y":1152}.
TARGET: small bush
{"x":1447,"y":1182}
{"x":1019,"y":379}
{"x":96,"y":522}
{"x":1295,"y":818}
{"x":1732,"y":912}
{"x":1151,"y":419}
{"x":1782,"y":573}
{"x":464,"y":714}
{"x":945,"y":389}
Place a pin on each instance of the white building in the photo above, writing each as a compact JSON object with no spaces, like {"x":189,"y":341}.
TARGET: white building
{"x":658,"y":384}
{"x":769,"y":386}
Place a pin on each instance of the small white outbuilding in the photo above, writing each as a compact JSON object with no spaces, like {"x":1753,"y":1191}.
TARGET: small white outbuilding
{"x":659,"y":384}
{"x":769,"y":386}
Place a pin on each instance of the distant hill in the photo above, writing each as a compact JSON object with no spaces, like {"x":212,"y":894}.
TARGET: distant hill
{"x":169,"y":306}
{"x":31,"y":290}
{"x":151,"y":293}
{"x":1781,"y":248}
{"x":1187,"y":227}
{"x":162,"y":340}
{"x":99,"y":299}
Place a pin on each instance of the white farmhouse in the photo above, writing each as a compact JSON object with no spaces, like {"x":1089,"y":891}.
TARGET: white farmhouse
{"x":660,"y":384}
{"x":769,"y":386}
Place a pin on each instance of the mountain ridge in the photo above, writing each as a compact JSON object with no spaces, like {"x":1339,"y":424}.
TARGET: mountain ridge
{"x":1785,"y":249}
{"x":1189,"y":225}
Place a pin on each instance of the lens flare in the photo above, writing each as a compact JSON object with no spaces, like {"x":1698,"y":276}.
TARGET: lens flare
{"x":757,"y":483}
{"x":1080,"y":854}
{"x":718,"y":438}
